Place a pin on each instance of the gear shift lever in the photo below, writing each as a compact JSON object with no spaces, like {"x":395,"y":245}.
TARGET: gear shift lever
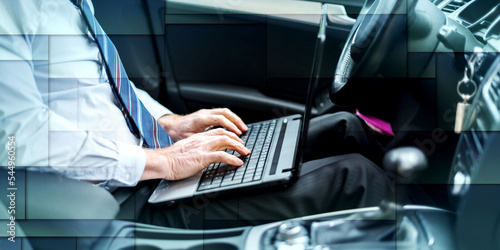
{"x":406,"y":162}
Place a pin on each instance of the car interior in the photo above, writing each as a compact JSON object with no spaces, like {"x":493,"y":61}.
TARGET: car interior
{"x":429,"y":67}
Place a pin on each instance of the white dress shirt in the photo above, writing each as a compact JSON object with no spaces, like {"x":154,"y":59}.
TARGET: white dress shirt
{"x":56,"y":99}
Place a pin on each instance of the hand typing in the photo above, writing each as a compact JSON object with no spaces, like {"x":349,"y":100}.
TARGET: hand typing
{"x":191,"y":155}
{"x":181,"y":127}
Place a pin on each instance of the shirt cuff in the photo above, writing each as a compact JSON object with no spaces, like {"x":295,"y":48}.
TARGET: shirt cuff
{"x":131,"y":164}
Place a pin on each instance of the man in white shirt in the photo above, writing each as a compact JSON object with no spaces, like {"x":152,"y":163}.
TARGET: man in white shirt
{"x":57,"y":102}
{"x":55,"y":90}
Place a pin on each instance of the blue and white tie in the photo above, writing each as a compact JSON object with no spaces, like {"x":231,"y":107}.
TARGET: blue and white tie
{"x":139,"y":120}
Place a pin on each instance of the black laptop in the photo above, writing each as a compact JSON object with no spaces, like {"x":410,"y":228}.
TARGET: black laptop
{"x":276,"y":152}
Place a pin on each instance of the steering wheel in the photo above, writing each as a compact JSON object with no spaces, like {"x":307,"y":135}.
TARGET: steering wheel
{"x":379,"y":29}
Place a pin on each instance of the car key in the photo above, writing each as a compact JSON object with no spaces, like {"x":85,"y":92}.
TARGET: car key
{"x":463,"y":107}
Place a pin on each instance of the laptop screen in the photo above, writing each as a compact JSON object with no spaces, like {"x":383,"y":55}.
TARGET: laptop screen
{"x":313,"y":83}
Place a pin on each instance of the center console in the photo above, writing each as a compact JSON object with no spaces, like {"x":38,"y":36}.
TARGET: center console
{"x":408,"y":227}
{"x":412,"y":227}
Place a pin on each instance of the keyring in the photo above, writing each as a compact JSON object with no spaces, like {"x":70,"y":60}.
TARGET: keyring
{"x":464,"y":96}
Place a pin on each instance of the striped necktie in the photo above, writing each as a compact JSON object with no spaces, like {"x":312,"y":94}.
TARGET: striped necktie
{"x":138,"y":118}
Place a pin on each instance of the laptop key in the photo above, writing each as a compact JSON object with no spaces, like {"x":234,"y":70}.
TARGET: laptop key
{"x":238,"y":178}
{"x":247,"y":180}
{"x":208,"y":177}
{"x":249,"y":175}
{"x":227,"y":183}
{"x":229,"y":174}
{"x":210,"y":167}
{"x":217,"y":180}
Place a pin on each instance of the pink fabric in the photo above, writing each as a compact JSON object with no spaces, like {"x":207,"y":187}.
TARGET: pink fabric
{"x":384,"y":126}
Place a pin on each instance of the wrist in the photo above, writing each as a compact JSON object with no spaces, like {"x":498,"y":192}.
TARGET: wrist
{"x":171,"y":123}
{"x":156,"y":165}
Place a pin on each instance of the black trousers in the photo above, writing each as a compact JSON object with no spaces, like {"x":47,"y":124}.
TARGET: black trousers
{"x":342,"y":133}
{"x":337,"y":175}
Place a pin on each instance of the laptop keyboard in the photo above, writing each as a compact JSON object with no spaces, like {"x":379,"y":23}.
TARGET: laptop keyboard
{"x":258,"y":140}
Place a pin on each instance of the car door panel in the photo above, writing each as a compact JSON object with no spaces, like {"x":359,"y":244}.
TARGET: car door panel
{"x":263,"y":51}
{"x":268,"y":54}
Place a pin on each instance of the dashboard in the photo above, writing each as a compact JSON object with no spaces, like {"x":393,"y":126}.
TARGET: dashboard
{"x":481,"y":17}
